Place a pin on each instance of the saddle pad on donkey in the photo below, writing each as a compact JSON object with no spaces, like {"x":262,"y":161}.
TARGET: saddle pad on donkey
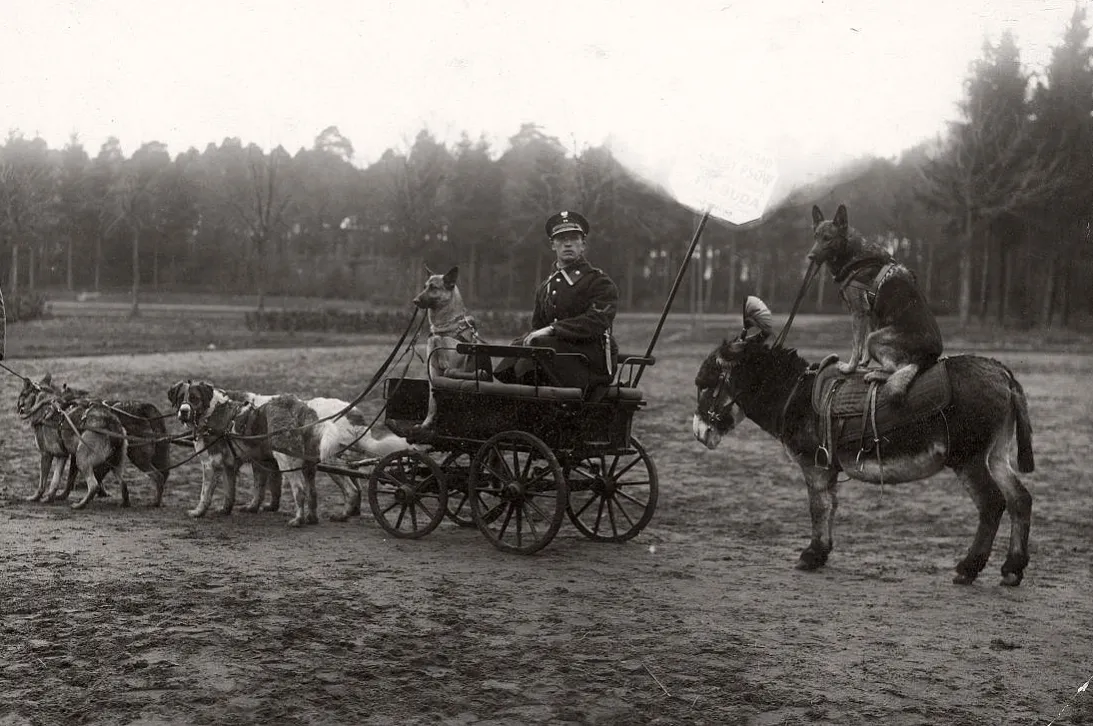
{"x":845,"y":398}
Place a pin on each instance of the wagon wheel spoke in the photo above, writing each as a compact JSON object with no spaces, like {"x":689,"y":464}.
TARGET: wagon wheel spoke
{"x":517,"y":492}
{"x":456,"y":467}
{"x":407,"y":494}
{"x":613,"y":497}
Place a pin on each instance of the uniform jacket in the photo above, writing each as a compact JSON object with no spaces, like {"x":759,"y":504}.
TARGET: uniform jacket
{"x":580,"y":301}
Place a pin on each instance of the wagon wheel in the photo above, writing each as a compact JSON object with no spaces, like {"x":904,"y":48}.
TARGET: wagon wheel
{"x":517,"y":492}
{"x":456,"y":466}
{"x":457,"y":469}
{"x":612,"y":496}
{"x":407,"y":494}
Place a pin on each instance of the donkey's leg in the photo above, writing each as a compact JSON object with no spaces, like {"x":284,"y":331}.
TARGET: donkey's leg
{"x":1019,"y":506}
{"x":990,"y":503}
{"x":351,"y":495}
{"x":822,"y":503}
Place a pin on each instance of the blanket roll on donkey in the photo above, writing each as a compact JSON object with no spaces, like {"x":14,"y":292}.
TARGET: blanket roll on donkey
{"x":962,"y":415}
{"x":891,"y":320}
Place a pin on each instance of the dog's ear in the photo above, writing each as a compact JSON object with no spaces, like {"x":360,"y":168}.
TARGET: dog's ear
{"x":174,"y":393}
{"x":450,"y":277}
{"x":429,"y":272}
{"x":46,"y":380}
{"x":841,"y":222}
{"x":817,"y":215}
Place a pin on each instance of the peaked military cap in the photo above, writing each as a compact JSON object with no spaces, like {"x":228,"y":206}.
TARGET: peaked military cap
{"x":567,"y":222}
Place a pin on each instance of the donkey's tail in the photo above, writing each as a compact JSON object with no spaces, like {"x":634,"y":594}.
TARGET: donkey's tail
{"x":1025,"y":460}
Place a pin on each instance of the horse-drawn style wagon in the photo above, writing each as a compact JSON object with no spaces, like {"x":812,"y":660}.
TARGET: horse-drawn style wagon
{"x":515,"y":460}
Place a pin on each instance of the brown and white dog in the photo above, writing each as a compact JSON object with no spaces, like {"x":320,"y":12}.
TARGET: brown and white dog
{"x":228,"y":432}
{"x":294,"y":434}
{"x":449,"y":325}
{"x":891,"y":320}
{"x":93,"y":438}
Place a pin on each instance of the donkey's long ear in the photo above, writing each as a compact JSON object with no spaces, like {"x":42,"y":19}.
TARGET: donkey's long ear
{"x":817,"y":215}
{"x":450,"y":277}
{"x":841,"y":222}
{"x":758,"y":322}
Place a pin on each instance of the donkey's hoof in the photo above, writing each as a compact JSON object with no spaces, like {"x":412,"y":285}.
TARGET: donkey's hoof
{"x":810,"y":561}
{"x":963,"y":578}
{"x":251,"y":508}
{"x":296,"y":522}
{"x":1012,"y":579}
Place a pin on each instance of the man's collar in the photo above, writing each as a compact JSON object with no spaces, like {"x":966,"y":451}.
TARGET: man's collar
{"x":573,"y":271}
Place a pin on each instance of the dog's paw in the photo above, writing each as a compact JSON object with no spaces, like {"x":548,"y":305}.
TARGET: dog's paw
{"x":872,"y":376}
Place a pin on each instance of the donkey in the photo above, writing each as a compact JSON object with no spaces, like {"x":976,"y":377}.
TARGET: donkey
{"x":970,"y":434}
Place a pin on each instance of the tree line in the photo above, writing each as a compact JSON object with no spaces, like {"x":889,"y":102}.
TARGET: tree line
{"x":993,"y":215}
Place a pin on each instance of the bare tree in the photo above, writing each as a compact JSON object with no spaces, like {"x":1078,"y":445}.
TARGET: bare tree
{"x":260,"y":206}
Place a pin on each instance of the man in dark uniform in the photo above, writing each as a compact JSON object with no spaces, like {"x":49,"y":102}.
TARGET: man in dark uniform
{"x":574,"y":311}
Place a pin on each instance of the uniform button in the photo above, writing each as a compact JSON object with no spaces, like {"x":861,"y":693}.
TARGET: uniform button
{"x":553,"y":292}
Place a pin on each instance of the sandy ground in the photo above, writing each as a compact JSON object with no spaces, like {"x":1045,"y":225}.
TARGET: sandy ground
{"x":142,"y":616}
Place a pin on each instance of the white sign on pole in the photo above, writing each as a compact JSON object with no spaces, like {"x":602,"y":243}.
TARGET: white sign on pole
{"x":734,"y":181}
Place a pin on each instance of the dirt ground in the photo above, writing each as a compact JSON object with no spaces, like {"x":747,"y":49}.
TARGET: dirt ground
{"x":142,"y":616}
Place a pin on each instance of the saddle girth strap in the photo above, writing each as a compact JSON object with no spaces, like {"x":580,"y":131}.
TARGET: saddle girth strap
{"x":827,"y":432}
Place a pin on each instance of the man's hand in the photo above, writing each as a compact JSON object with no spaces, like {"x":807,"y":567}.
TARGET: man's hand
{"x":540,"y":333}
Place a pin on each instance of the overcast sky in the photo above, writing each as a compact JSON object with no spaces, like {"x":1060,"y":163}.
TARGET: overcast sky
{"x":812,"y":81}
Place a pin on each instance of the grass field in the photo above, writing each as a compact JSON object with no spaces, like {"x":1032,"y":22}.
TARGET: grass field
{"x":145,"y":616}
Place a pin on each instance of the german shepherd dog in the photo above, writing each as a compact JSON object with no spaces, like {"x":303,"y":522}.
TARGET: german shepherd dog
{"x":890,"y":318}
{"x":93,"y":437}
{"x":449,"y":325}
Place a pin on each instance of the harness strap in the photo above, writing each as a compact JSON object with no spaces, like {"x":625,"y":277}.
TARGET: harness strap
{"x":873,"y":423}
{"x":871,"y":288}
